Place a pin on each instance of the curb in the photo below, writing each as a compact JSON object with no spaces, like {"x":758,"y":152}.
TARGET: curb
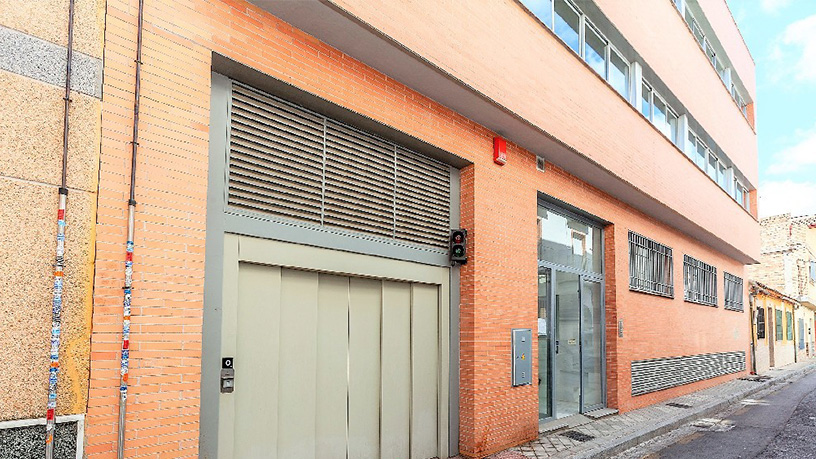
{"x":620,"y":445}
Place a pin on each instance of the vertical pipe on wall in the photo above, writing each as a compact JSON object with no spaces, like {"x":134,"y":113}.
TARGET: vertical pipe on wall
{"x":125,"y":356}
{"x":59,"y":264}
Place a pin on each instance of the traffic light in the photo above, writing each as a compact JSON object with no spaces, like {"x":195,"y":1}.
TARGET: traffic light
{"x":458,"y":246}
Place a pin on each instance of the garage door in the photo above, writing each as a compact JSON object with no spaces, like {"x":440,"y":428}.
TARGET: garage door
{"x":329,"y":361}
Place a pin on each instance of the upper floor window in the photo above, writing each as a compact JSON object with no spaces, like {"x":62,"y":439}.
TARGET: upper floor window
{"x":658,"y":112}
{"x":565,"y":19}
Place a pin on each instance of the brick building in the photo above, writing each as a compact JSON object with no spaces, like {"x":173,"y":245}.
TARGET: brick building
{"x":300,"y":166}
{"x":788,"y":265}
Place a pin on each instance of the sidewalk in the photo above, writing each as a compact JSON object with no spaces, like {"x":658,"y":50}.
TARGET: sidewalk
{"x":611,"y":435}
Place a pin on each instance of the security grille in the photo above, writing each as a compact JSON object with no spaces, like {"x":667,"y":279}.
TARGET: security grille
{"x":650,"y":266}
{"x":699,"y":281}
{"x":733,"y":292}
{"x":288,"y":162}
{"x":658,"y":374}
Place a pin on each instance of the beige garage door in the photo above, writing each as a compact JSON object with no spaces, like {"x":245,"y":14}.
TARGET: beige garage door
{"x":329,"y":365}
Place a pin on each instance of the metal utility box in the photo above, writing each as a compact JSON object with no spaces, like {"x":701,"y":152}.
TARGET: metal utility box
{"x":522,"y":356}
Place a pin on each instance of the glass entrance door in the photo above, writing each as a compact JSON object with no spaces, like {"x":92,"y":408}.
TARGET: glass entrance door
{"x":570,"y":315}
{"x":567,"y":345}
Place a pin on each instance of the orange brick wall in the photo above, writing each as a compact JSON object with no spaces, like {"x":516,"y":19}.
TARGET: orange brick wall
{"x":498,"y":207}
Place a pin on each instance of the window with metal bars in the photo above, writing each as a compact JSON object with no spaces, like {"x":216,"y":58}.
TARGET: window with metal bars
{"x":286,"y":161}
{"x":760,"y":323}
{"x":733,"y":292}
{"x":650,"y":266}
{"x":699,"y":281}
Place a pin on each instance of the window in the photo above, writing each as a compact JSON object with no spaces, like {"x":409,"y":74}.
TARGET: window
{"x":733,"y":292}
{"x":813,"y":271}
{"x":650,"y":266}
{"x":741,"y":194}
{"x":543,"y":9}
{"x":569,"y":242}
{"x":567,"y":24}
{"x":699,"y":281}
{"x":722,"y":176}
{"x":789,"y":325}
{"x":760,"y":323}
{"x":778,"y":325}
{"x":801,"y":334}
{"x":655,"y":108}
{"x":618,"y":73}
{"x":565,"y":19}
{"x":594,"y":50}
{"x":713,"y":165}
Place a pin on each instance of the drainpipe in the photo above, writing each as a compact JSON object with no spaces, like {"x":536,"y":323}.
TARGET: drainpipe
{"x":754,"y":330}
{"x":125,"y":359}
{"x":59,"y":265}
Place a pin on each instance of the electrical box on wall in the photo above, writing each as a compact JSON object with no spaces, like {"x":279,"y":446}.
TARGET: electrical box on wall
{"x":522,"y":356}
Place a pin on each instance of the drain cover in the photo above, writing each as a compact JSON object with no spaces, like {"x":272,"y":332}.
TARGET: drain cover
{"x":755,"y":378}
{"x":578,"y":436}
{"x":678,"y":405}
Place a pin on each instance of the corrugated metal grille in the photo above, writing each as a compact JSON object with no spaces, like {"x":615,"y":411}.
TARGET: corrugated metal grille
{"x":699,"y":281}
{"x":289,"y":162}
{"x":659,"y":374}
{"x":733,"y":292}
{"x":651,"y":267}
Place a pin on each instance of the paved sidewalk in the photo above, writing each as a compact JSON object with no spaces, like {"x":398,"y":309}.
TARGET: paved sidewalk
{"x":614,"y":434}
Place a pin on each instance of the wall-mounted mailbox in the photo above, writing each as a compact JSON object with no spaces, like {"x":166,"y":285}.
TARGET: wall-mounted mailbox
{"x":522,"y":356}
{"x":227,"y":375}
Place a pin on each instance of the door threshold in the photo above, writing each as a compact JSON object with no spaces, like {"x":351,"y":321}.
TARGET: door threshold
{"x":568,"y":422}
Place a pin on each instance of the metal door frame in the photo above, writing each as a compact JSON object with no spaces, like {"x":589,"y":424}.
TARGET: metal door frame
{"x":582,"y":274}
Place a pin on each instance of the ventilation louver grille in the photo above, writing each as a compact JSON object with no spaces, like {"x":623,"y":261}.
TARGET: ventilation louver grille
{"x":659,"y":374}
{"x":288,"y":162}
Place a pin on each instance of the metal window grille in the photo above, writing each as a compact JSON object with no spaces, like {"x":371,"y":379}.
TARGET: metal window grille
{"x":733,"y":292}
{"x":289,"y":162}
{"x":650,"y":266}
{"x":699,"y":281}
{"x":760,"y":323}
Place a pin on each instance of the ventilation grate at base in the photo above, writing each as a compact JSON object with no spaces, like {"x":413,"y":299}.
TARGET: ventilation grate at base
{"x":678,"y":405}
{"x":578,"y":436}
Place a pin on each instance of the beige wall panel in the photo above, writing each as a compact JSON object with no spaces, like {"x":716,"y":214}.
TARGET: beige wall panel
{"x":365,"y":302}
{"x":332,"y":366}
{"x":48,"y":19}
{"x":256,"y":365}
{"x":28,"y":227}
{"x":425,"y":353}
{"x":31,"y":145}
{"x":298,"y":363}
{"x":396,"y":370}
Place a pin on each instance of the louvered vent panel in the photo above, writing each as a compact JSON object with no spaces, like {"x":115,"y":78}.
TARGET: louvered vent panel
{"x":359,"y":181}
{"x":659,"y":374}
{"x":289,"y":162}
{"x":276,"y":156}
{"x":422,"y":199}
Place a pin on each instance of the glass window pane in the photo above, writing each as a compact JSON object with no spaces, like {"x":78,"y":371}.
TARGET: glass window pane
{"x":691,"y":145}
{"x":672,"y":118}
{"x":567,"y":22}
{"x":619,"y":74}
{"x":721,"y":176}
{"x":569,"y":242}
{"x":542,"y":9}
{"x":594,"y":50}
{"x":591,"y":343}
{"x":712,"y":166}
{"x":646,"y":102}
{"x":701,"y":155}
{"x":659,"y":116}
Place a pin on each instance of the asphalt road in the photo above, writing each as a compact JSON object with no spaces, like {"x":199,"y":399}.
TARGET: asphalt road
{"x":780,"y":425}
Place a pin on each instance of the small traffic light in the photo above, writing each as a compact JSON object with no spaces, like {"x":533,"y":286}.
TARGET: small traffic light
{"x":458,"y":246}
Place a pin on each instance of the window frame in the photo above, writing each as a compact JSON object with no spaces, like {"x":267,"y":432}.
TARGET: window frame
{"x":699,"y":282}
{"x":779,"y":327}
{"x":788,"y":326}
{"x":733,"y":292}
{"x":760,"y":323}
{"x":649,"y":275}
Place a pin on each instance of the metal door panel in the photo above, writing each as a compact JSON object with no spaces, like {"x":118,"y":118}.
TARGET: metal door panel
{"x":425,"y":365}
{"x":396,"y":370}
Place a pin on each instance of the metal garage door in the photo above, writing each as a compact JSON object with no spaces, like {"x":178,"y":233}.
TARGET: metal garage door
{"x":331,"y":365}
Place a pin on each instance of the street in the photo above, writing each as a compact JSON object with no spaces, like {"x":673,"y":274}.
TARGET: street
{"x":779,"y":424}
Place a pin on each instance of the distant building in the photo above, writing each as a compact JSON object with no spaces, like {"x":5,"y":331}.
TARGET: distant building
{"x":788,"y":265}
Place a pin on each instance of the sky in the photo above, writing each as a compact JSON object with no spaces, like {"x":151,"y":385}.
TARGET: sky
{"x":781,"y":35}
